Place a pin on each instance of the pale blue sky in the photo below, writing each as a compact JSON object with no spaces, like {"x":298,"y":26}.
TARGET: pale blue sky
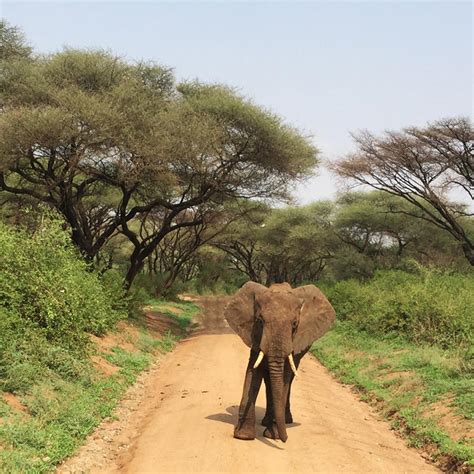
{"x":326,"y":67}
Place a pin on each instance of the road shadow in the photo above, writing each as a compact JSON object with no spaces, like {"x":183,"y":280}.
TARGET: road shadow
{"x":231,"y":415}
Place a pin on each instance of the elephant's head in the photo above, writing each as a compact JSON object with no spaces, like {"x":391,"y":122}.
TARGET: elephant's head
{"x":279,"y":323}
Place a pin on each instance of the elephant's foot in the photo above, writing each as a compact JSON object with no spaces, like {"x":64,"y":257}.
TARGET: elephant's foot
{"x":288,"y":417}
{"x":244,"y":431}
{"x":271,"y":432}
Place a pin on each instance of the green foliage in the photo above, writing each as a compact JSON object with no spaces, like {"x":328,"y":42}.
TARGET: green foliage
{"x":296,"y":242}
{"x":65,"y":396}
{"x":214,"y":275}
{"x":182,"y":312}
{"x":352,"y":237}
{"x":131,"y":363}
{"x":420,"y":165}
{"x":429,"y":305}
{"x":49,"y":300}
{"x":406,"y":381}
{"x":262,"y":136}
{"x":118,"y":148}
{"x":148,"y":344}
{"x":46,"y":283}
{"x":62,"y":413}
{"x":12,"y":42}
{"x":290,"y":244}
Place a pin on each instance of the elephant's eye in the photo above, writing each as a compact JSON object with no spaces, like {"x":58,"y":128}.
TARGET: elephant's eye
{"x":294,"y":324}
{"x":259,"y":319}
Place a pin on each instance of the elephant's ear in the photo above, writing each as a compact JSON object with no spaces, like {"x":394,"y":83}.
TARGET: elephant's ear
{"x":317,"y":316}
{"x":240,"y":311}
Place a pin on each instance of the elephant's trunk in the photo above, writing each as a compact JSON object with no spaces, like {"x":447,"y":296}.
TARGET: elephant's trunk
{"x":276,"y":368}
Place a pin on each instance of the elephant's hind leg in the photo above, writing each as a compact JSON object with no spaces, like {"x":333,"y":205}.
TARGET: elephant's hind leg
{"x":288,"y":415}
{"x":245,"y":428}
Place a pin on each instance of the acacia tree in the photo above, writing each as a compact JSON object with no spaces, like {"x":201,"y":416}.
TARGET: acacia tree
{"x":12,"y":42}
{"x":219,"y":148}
{"x":75,"y":132}
{"x":242,"y":243}
{"x":420,"y":165}
{"x":453,"y":140}
{"x":373,"y":224}
{"x":298,"y":243}
{"x":292,"y":244}
{"x":177,"y":256}
{"x":109,"y":144}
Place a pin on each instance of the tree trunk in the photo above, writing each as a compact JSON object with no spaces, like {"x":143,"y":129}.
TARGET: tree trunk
{"x":468,"y":250}
{"x":132,"y":272}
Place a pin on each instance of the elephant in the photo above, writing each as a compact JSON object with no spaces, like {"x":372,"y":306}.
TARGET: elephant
{"x":279,"y":324}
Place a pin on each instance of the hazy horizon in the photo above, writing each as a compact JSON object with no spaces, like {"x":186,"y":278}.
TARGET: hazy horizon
{"x":327,"y":68}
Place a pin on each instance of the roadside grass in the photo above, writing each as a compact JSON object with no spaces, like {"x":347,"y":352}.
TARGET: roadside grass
{"x":60,"y":412}
{"x":182,"y":312}
{"x":148,"y":344}
{"x":425,"y":391}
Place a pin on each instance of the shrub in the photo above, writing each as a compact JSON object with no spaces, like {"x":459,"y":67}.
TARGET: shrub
{"x":49,"y":300}
{"x":428,"y":306}
{"x":46,"y":282}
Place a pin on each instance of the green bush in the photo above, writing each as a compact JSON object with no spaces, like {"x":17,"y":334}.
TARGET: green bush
{"x":46,"y":283}
{"x":427,"y":306}
{"x":49,"y":300}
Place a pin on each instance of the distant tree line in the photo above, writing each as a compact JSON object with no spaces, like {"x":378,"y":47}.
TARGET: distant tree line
{"x":350,"y":237}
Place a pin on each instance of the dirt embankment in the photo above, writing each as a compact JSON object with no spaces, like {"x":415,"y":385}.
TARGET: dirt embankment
{"x":180,"y":417}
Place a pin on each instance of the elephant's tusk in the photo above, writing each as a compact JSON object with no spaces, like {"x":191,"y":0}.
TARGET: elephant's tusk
{"x":259,"y":360}
{"x":292,"y":364}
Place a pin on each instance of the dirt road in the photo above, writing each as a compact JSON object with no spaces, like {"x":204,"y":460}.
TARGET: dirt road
{"x":184,"y":420}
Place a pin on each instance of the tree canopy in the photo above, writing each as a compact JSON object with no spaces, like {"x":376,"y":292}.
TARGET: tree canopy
{"x":13,"y":44}
{"x":421,"y":165}
{"x":113,"y":145}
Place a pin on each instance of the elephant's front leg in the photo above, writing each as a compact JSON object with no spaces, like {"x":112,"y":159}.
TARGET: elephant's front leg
{"x":245,"y":428}
{"x":269,"y":417}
